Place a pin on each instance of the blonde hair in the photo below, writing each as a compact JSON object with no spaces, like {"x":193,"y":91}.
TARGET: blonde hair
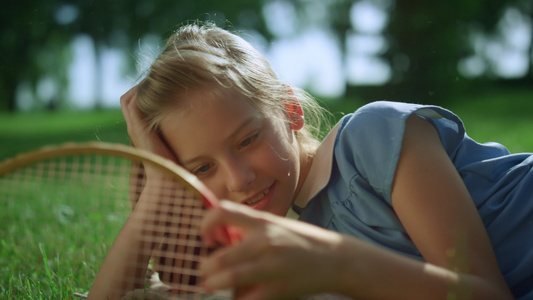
{"x":206,"y":56}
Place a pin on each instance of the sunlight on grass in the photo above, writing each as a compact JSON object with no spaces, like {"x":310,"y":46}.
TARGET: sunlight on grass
{"x":500,"y":116}
{"x":53,"y":243}
{"x":33,"y":123}
{"x":29,"y":131}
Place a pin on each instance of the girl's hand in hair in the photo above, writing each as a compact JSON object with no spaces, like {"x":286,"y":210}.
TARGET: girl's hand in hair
{"x":276,"y":257}
{"x":140,"y":134}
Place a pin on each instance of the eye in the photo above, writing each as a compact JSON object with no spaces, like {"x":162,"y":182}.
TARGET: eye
{"x":248,"y":141}
{"x":202,"y":170}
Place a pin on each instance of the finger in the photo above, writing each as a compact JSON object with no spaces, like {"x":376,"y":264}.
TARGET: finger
{"x":136,"y":127}
{"x":125,"y":101}
{"x":129,"y":95}
{"x":260,"y":292}
{"x":242,"y":275}
{"x":228,"y":221}
{"x":238,"y":222}
{"x":248,"y":250}
{"x":132,"y":113}
{"x":230,"y":213}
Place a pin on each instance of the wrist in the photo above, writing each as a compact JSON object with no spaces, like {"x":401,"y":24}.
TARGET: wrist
{"x":338,"y":265}
{"x":352,"y":266}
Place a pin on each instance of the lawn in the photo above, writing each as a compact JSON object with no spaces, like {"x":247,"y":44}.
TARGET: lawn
{"x":53,"y":242}
{"x":503,"y":115}
{"x":28,"y":131}
{"x":51,"y":248}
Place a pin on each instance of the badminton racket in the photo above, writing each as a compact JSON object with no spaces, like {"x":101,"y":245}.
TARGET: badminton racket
{"x":98,"y":184}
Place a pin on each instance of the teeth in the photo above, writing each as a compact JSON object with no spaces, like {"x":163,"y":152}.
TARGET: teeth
{"x":258,"y":197}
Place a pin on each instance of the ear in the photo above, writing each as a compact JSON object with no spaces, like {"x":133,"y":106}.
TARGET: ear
{"x":295,"y":111}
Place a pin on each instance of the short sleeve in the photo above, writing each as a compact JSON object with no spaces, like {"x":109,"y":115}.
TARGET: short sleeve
{"x":357,"y":198}
{"x":371,"y":140}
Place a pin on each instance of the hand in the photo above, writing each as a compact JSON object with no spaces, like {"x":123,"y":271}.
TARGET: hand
{"x":140,"y":134}
{"x":277,"y":258}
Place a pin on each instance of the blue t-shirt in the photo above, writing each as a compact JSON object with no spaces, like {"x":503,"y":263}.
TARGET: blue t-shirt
{"x":357,"y":199}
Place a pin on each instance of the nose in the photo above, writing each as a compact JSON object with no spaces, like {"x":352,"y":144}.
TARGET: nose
{"x":239,"y":175}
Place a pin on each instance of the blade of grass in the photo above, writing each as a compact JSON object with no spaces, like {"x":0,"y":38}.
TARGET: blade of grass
{"x":45,"y":263}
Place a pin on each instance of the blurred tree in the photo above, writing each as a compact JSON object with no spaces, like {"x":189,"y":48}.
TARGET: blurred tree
{"x":427,"y":39}
{"x":35,"y":33}
{"x":31,"y":46}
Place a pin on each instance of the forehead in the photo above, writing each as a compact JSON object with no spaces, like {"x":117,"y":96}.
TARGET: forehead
{"x":203,"y":120}
{"x":199,"y":105}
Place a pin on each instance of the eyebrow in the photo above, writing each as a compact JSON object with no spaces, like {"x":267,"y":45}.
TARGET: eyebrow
{"x":235,"y":132}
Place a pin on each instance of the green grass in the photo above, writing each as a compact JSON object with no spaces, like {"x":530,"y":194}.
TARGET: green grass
{"x":500,"y":116}
{"x":28,"y":131}
{"x":55,"y":232}
{"x":51,"y":248}
{"x":503,"y":116}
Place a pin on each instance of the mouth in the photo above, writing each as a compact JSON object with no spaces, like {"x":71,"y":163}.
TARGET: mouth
{"x":261,"y":200}
{"x":258,"y":197}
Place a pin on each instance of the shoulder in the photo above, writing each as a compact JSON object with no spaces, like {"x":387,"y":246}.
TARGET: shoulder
{"x":377,"y":116}
{"x":370,"y":140}
{"x":375,"y":124}
{"x":387,"y":107}
{"x":369,"y":143}
{"x":384,"y":109}
{"x":386,"y":117}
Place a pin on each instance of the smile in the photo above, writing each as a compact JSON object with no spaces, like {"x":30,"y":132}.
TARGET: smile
{"x":258,"y":197}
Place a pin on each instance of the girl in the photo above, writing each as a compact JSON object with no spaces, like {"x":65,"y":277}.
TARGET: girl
{"x":399,"y":202}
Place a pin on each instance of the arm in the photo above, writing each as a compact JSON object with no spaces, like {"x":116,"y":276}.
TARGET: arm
{"x":435,"y":207}
{"x":280,"y":259}
{"x":125,"y":265}
{"x":437,"y":212}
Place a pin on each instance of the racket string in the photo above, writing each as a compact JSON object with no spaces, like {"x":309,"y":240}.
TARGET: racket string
{"x":178,"y":254}
{"x":97,"y":193}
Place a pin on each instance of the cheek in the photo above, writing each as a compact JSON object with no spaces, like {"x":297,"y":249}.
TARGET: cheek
{"x":269,"y":161}
{"x":277,"y":159}
{"x":216,"y":185}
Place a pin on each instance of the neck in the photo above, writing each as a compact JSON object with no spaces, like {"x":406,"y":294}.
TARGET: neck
{"x":315,"y":170}
{"x":306,"y":160}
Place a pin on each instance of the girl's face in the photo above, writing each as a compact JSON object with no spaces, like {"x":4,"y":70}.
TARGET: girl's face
{"x":237,"y":152}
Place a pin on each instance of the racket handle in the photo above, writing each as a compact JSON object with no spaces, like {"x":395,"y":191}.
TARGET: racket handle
{"x":226,"y":233}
